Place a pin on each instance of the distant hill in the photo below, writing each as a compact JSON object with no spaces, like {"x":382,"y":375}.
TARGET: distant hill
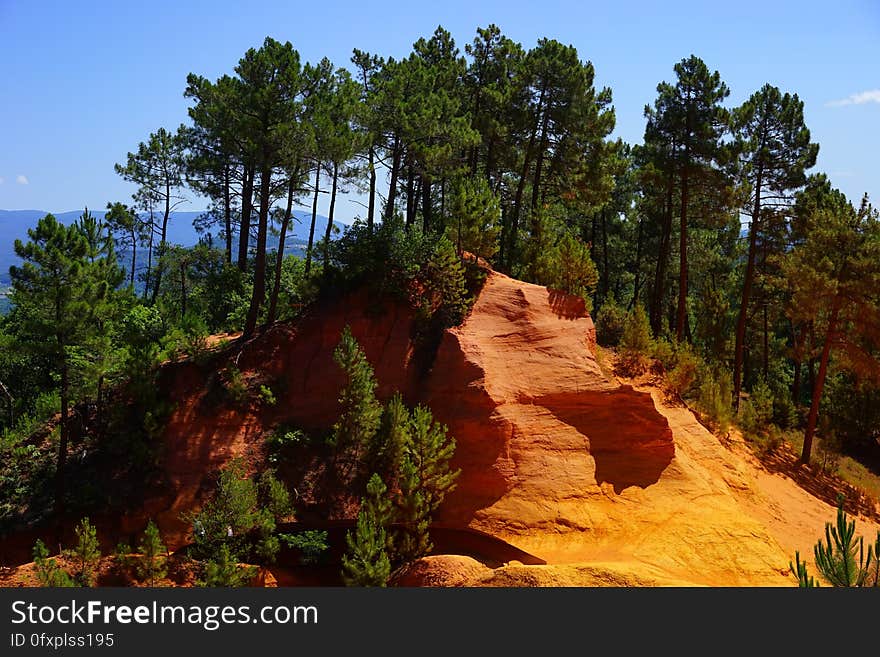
{"x":14,"y":225}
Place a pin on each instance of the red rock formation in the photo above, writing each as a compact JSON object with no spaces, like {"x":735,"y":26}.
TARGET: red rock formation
{"x":538,"y":427}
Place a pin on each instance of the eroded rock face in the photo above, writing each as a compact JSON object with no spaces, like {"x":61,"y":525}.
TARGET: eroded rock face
{"x":539,"y":427}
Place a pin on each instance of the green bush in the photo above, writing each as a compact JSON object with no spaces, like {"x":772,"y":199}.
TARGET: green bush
{"x":49,"y":573}
{"x":683,"y":376}
{"x":610,"y":320}
{"x":267,"y":396}
{"x":224,"y":571}
{"x":713,"y":399}
{"x":842,"y":559}
{"x":636,"y":343}
{"x":241,"y":516}
{"x":311,"y":545}
{"x":235,"y":385}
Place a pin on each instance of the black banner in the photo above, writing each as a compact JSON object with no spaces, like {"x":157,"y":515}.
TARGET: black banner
{"x":288,"y":621}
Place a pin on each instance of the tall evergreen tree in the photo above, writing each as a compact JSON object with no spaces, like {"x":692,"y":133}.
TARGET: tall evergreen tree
{"x":834,"y":281}
{"x":775,"y":151}
{"x":56,"y":293}
{"x":158,"y":170}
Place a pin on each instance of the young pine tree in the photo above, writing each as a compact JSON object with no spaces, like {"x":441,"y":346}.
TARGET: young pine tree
{"x":49,"y":573}
{"x":367,"y":563}
{"x":86,"y":555}
{"x":425,"y":480}
{"x":224,"y":571}
{"x":361,"y":411}
{"x":152,"y":565}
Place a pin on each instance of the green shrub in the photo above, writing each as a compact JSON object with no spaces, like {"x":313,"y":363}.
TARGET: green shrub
{"x":610,"y":320}
{"x":636,"y":343}
{"x":267,"y":396}
{"x":224,"y":571}
{"x":683,"y":375}
{"x":283,"y":439}
{"x":311,"y":545}
{"x":713,"y":399}
{"x":49,"y":573}
{"x":235,"y":385}
{"x":240,"y":517}
{"x":664,"y":352}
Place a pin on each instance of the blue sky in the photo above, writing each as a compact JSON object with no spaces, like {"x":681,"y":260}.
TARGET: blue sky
{"x":84,"y":82}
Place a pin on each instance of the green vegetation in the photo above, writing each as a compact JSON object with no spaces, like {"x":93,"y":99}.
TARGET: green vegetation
{"x":239,"y":521}
{"x":152,"y":564}
{"x":841,"y":559}
{"x":491,"y":149}
{"x":367,"y":563}
{"x":311,"y":545}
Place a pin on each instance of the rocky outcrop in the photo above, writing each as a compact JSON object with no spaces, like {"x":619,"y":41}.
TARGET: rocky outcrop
{"x":558,"y":459}
{"x":539,"y":427}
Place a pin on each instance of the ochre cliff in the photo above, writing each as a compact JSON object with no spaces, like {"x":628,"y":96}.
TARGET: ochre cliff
{"x":557,"y":458}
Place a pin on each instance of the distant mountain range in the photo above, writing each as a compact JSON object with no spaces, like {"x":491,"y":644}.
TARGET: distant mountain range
{"x":14,"y":225}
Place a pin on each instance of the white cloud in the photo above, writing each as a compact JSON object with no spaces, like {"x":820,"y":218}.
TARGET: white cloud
{"x":871,"y":96}
{"x":21,"y":179}
{"x":1,"y":180}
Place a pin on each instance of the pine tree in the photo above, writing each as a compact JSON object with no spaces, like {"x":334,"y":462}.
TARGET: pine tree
{"x":475,"y":214}
{"x":152,"y":565}
{"x":86,"y":554}
{"x":688,"y":119}
{"x":833,"y":279}
{"x":841,"y":558}
{"x":367,"y":563}
{"x":775,"y":150}
{"x":425,"y":480}
{"x":158,"y":170}
{"x":49,"y":573}
{"x":52,"y":310}
{"x":225,"y":571}
{"x":361,"y":411}
{"x":386,"y":451}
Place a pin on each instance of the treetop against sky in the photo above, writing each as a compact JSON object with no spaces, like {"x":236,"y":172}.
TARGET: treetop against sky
{"x":85,"y":83}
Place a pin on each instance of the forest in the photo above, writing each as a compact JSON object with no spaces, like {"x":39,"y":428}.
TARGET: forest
{"x":713,"y":249}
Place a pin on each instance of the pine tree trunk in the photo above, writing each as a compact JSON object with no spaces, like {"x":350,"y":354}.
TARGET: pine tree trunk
{"x":260,"y":259}
{"x":605,"y":281}
{"x":329,"y":230}
{"x":244,"y":235}
{"x":62,"y":443}
{"x":427,"y":219}
{"x":227,"y":213}
{"x":663,"y":258}
{"x":746,"y":295}
{"x":162,"y":241}
{"x":279,"y":256}
{"x":371,"y":207}
{"x":410,"y":195}
{"x":766,"y":363}
{"x":820,"y":382}
{"x":392,"y":186}
{"x":182,"y":290}
{"x":149,"y":275}
{"x":9,"y":404}
{"x":638,"y":266}
{"x":314,"y":218}
{"x":681,"y":314}
{"x":520,"y":188}
{"x":133,"y":252}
